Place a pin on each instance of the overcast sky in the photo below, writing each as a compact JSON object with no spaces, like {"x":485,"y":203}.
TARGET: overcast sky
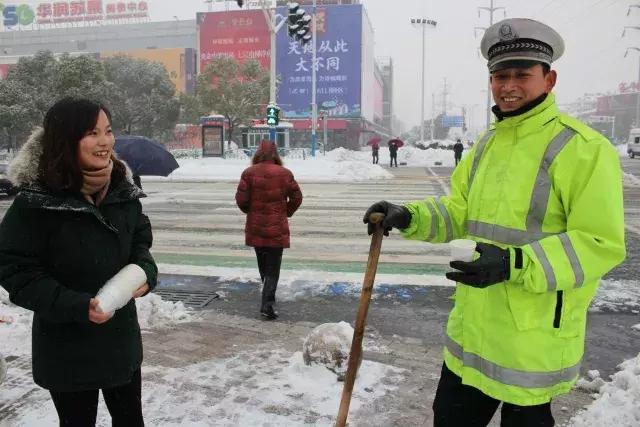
{"x":593,"y":60}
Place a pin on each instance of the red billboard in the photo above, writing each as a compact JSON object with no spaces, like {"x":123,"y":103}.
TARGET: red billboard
{"x":242,"y":35}
{"x":4,"y":70}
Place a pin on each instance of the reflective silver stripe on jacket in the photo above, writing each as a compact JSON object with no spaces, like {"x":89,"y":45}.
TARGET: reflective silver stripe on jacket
{"x":434,"y":221}
{"x":549,"y":275}
{"x":448,"y":226}
{"x":476,"y":159}
{"x":537,"y":210}
{"x":573,"y":259}
{"x":542,"y":186}
{"x":501,"y":234}
{"x":513,"y":377}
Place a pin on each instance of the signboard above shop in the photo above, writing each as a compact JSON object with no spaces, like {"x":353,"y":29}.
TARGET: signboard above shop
{"x":25,"y":16}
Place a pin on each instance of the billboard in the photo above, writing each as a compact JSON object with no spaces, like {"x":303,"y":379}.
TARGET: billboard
{"x":4,"y":70}
{"x":242,"y":35}
{"x":74,"y":11}
{"x":179,"y":63}
{"x":338,"y":65}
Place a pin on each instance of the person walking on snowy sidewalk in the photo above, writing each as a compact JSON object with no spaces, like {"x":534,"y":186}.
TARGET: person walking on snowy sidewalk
{"x":76,"y":222}
{"x":541,"y":194}
{"x":268,"y":194}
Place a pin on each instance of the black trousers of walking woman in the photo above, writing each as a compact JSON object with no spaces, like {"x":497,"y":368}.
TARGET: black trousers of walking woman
{"x":269,"y":261}
{"x":79,"y":408}
{"x":460,"y":405}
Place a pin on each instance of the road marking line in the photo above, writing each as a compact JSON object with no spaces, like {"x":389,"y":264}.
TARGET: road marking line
{"x":444,"y":186}
{"x":632,"y":229}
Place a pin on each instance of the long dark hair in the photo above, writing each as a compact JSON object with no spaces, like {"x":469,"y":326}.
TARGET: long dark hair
{"x":65,"y":124}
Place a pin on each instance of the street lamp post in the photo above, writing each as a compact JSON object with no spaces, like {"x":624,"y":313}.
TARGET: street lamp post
{"x":314,"y":105}
{"x":423,"y":22}
{"x":637,"y":123}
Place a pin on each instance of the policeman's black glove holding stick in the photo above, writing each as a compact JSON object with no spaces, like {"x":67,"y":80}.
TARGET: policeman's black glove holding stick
{"x":395,"y":216}
{"x":490,"y":268}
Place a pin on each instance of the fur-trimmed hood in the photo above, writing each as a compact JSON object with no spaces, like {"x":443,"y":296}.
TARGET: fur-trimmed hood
{"x":23,"y":170}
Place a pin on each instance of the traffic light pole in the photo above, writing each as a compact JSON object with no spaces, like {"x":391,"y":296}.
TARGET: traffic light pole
{"x":272,"y":79}
{"x":270,"y":17}
{"x":314,"y":106}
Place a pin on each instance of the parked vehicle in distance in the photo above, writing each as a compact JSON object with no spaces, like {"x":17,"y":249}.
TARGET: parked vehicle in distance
{"x":633,"y":143}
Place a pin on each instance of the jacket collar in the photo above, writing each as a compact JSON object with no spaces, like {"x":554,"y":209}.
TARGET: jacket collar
{"x":542,"y":113}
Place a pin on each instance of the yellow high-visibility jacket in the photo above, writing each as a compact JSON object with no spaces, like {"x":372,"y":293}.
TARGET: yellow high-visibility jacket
{"x":549,"y":184}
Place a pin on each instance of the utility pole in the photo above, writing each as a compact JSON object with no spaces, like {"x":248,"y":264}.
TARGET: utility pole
{"x":491,"y":9}
{"x":423,"y":22}
{"x":445,"y":92}
{"x":433,"y":113}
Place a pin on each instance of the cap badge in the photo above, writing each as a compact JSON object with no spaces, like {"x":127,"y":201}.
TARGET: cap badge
{"x":506,"y":33}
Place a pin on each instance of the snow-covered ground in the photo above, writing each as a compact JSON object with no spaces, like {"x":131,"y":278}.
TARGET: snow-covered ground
{"x":261,"y":388}
{"x":339,"y":165}
{"x":274,"y":387}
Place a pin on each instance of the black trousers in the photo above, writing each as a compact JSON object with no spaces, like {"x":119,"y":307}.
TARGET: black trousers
{"x":459,"y":405}
{"x":458,"y":158}
{"x":269,"y":261}
{"x":79,"y":408}
{"x":394,"y":158}
{"x":375,"y":157}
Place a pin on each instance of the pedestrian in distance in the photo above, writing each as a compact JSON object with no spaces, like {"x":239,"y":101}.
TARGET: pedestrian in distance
{"x":375,"y":148}
{"x":458,"y":148}
{"x":541,"y":194}
{"x":76,"y":222}
{"x":268,"y":194}
{"x":393,"y":154}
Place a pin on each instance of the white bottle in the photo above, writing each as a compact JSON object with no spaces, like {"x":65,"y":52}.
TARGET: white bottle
{"x":118,"y":290}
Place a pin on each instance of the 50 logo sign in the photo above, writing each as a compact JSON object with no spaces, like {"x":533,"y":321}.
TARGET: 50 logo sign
{"x":13,"y":15}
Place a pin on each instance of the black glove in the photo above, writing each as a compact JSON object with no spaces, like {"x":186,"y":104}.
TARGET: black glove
{"x":395,"y":216}
{"x":490,"y":268}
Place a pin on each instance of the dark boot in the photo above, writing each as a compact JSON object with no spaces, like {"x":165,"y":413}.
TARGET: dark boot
{"x":269,"y":298}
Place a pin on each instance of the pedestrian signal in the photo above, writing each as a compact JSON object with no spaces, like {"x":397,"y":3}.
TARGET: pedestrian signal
{"x":273,"y":115}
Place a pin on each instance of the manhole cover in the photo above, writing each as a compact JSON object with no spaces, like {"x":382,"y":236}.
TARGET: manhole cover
{"x":188,"y":298}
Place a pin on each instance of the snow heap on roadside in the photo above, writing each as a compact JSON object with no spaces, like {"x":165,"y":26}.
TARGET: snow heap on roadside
{"x":15,"y":330}
{"x":617,"y":403}
{"x":329,"y":345}
{"x":154,"y":312}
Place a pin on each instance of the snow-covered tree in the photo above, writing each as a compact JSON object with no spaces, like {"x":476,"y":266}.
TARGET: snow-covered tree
{"x":142,"y":98}
{"x":238,"y":91}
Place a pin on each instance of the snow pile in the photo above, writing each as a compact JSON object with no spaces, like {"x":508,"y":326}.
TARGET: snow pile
{"x":617,"y":296}
{"x":154,"y":312}
{"x":594,"y":382}
{"x":342,"y":154}
{"x":618,"y":401}
{"x":264,"y":388}
{"x":15,"y":335}
{"x":15,"y":330}
{"x":329,"y":345}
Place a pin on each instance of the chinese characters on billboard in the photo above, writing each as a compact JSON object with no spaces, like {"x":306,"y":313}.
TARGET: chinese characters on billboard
{"x":241,"y":35}
{"x":338,"y":65}
{"x":75,"y":11}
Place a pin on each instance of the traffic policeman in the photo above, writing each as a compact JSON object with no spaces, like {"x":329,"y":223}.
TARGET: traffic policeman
{"x":541,"y":194}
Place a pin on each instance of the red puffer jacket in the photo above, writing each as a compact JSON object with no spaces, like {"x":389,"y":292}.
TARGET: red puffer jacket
{"x":268,"y":194}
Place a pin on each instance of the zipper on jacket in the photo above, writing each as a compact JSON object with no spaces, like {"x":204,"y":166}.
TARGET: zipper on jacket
{"x":556,"y":318}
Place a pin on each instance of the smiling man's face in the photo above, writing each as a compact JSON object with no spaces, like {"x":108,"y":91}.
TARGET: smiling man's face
{"x":513,"y":88}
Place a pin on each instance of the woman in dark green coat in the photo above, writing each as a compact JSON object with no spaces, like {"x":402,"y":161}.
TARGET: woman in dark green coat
{"x":75,"y":223}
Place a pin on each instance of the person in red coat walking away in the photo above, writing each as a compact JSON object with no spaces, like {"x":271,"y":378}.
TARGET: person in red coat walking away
{"x":268,"y":194}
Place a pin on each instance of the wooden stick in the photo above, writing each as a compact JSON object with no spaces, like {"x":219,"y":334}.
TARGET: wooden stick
{"x":358,"y":332}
